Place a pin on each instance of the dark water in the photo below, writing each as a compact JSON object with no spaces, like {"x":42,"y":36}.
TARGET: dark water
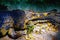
{"x":37,"y":7}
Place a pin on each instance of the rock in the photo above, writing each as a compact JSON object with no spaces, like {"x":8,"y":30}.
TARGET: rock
{"x":12,"y":34}
{"x":3,"y":24}
{"x":53,"y":10}
{"x":29,"y":14}
{"x":19,"y":18}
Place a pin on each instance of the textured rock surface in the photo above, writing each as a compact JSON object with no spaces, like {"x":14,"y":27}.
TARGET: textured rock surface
{"x":19,"y":18}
